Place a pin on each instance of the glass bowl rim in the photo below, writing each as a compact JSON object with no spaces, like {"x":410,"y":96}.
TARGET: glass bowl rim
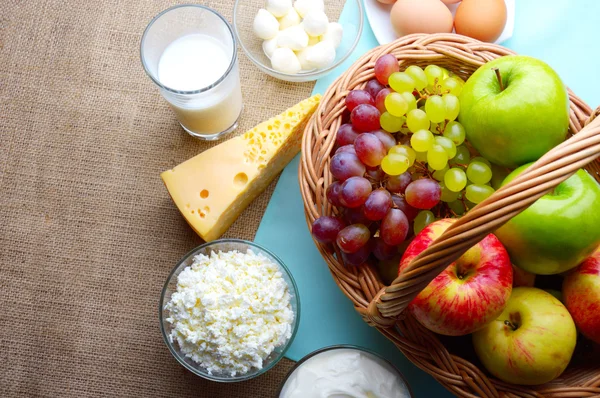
{"x":309,"y":74}
{"x":337,"y":347}
{"x":249,"y":375}
{"x":203,"y":89}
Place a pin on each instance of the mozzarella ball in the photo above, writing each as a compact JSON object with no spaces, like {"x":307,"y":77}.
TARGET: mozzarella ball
{"x":269,"y":46}
{"x":284,"y":60}
{"x":305,"y":6}
{"x":315,"y":23}
{"x":334,"y":33}
{"x":265,"y":25}
{"x":303,"y":58}
{"x":312,"y":40}
{"x":279,"y":7}
{"x":294,"y":38}
{"x":290,"y":19}
{"x":321,"y":55}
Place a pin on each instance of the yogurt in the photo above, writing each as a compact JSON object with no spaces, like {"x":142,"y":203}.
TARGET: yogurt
{"x":345,"y":373}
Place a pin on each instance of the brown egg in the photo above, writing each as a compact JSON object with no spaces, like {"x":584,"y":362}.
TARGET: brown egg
{"x":420,"y":16}
{"x":387,"y":1}
{"x":481,"y":19}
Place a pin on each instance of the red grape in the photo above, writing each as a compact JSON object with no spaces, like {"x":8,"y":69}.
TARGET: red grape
{"x":356,"y":216}
{"x":346,"y":135}
{"x":378,"y":204}
{"x":359,"y":257}
{"x":385,"y":66}
{"x":388,"y":140}
{"x":358,"y":97}
{"x":346,"y":148}
{"x":380,"y":99}
{"x":382,"y":250}
{"x":409,"y":211}
{"x":373,"y":87}
{"x":353,"y":237}
{"x":369,"y":149}
{"x":375,"y":174}
{"x":345,"y":116}
{"x":345,"y":165}
{"x":333,"y":193}
{"x":355,"y":191}
{"x":365,"y":117}
{"x":398,"y":184}
{"x":325,"y":229}
{"x":394,"y":227}
{"x":423,"y":194}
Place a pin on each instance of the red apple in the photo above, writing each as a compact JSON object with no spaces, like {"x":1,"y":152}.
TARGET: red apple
{"x":522,"y":277}
{"x":581,"y":292}
{"x":469,"y":293}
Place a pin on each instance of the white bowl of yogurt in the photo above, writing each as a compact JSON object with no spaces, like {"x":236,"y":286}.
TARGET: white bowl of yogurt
{"x":344,"y":371}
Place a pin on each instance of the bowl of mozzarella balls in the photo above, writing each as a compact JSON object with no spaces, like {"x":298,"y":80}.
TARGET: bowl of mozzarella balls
{"x":297,"y":40}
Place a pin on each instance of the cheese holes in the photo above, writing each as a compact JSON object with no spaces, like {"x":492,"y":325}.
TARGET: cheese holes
{"x":240,"y":180}
{"x":204,"y":194}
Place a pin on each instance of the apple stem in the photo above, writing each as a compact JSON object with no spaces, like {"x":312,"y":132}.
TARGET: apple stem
{"x":499,"y":78}
{"x":510,"y":324}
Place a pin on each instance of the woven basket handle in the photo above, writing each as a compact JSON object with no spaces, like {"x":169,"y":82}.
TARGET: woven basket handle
{"x":550,"y":170}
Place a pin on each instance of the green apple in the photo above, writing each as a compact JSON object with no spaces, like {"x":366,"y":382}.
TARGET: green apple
{"x":531,"y":342}
{"x":517,"y":122}
{"x":559,"y":230}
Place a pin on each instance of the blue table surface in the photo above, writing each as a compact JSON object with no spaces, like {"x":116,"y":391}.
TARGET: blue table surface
{"x":563,"y":33}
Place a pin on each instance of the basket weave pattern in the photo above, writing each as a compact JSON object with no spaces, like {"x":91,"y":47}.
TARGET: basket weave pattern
{"x":382,"y":306}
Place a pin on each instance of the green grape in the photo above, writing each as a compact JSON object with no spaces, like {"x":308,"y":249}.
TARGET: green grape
{"x":447,"y":144}
{"x":434,"y":75}
{"x":462,"y":156}
{"x":433,"y":127}
{"x":421,"y":157}
{"x":418,"y":76}
{"x":394,"y":164}
{"x":479,"y":172}
{"x":410,"y":100}
{"x":435,"y":108}
{"x":423,"y":219}
{"x":406,"y":151}
{"x":455,"y":131}
{"x":445,"y":73}
{"x":417,"y":120}
{"x":395,"y":104}
{"x":452,"y":106}
{"x":439,"y":174}
{"x":498,"y":175}
{"x":422,"y":140}
{"x":448,"y":195}
{"x":457,"y":207}
{"x":455,"y":179}
{"x":437,"y":157}
{"x":477,"y":193}
{"x":452,"y":85}
{"x":391,"y":123}
{"x":481,"y":159}
{"x":401,"y":82}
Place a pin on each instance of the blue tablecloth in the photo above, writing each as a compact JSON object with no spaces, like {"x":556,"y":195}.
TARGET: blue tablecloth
{"x":562,"y":33}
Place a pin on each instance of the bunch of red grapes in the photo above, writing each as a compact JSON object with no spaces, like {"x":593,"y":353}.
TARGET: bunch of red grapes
{"x":392,"y":155}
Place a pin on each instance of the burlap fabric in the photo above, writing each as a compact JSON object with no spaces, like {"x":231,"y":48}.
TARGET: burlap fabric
{"x":88,"y":233}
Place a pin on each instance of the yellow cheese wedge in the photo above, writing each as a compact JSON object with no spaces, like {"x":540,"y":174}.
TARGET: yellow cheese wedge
{"x":214,"y":187}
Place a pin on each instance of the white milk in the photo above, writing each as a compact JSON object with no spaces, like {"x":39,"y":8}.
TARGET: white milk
{"x":194,"y":62}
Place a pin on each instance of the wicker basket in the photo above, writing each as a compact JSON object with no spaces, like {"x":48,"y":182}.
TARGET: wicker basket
{"x":382,"y":306}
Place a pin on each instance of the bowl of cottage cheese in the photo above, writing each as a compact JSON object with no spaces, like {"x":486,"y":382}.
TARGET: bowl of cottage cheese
{"x":229,"y":310}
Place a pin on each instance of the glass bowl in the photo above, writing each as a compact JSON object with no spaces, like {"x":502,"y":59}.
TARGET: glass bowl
{"x":171,"y":286}
{"x":384,"y":362}
{"x":244,"y":12}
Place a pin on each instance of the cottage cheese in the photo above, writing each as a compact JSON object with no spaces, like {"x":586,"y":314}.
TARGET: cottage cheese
{"x":230,"y":311}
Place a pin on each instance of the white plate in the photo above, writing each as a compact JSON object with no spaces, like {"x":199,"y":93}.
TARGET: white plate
{"x":379,"y":18}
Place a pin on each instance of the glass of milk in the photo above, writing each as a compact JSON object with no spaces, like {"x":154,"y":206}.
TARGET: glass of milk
{"x":190,"y":52}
